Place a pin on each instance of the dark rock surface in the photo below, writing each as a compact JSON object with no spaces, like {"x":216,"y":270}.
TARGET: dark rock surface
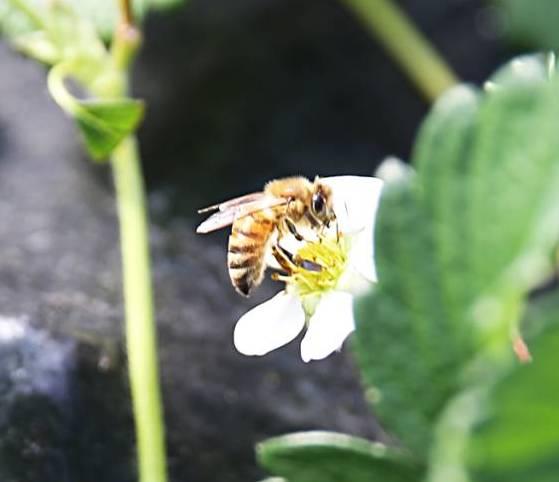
{"x":35,"y":377}
{"x":238,"y":92}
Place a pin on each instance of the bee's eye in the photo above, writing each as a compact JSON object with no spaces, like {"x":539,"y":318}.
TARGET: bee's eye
{"x":318,"y":203}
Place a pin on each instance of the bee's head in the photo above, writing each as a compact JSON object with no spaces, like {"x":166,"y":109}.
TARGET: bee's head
{"x":321,"y":202}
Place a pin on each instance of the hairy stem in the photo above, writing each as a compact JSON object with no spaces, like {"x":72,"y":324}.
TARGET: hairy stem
{"x":413,"y":52}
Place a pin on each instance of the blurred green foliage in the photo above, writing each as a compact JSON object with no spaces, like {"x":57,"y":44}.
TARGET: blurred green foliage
{"x":531,"y":23}
{"x":517,"y":435}
{"x":460,"y":244}
{"x":102,"y":13}
{"x":58,"y":35}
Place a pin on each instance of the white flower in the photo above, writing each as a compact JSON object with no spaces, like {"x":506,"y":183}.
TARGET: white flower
{"x":321,"y":301}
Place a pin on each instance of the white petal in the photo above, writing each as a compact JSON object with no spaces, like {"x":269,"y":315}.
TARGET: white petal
{"x":353,"y":282}
{"x":355,"y":201}
{"x":330,"y":325}
{"x":269,"y":325}
{"x":362,"y":255}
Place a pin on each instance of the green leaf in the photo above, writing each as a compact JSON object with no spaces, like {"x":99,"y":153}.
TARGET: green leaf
{"x":489,"y":177}
{"x":518,"y":437}
{"x":333,"y":457}
{"x":408,"y":347}
{"x":103,"y":14}
{"x":480,"y":405}
{"x":458,"y":247}
{"x":105,"y":123}
{"x":411,"y":340}
{"x":532,"y":24}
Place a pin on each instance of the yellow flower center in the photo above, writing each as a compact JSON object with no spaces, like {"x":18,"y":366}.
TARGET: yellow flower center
{"x":319,"y":265}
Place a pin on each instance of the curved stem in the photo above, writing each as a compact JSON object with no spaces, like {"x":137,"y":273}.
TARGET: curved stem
{"x":59,"y":92}
{"x":413,"y":52}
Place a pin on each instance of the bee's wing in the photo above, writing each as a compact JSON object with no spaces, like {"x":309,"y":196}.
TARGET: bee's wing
{"x":227,"y":215}
{"x":238,"y":201}
{"x":217,"y":221}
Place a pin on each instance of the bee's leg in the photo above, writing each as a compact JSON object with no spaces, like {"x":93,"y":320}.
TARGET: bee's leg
{"x":289,"y":262}
{"x":337,"y":232}
{"x":325,"y":226}
{"x":293,"y":229}
{"x":321,"y":232}
{"x":279,"y":277}
{"x":315,"y":223}
{"x":284,"y":258}
{"x":290,"y":225}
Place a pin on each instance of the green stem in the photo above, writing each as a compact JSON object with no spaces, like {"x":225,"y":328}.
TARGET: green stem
{"x":141,"y":338}
{"x":406,"y":44}
{"x":140,"y":324}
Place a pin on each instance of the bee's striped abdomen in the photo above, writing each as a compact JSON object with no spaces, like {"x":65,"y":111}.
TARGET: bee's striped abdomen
{"x":248,"y":244}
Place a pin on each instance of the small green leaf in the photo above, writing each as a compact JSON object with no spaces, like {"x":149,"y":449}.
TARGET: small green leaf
{"x":334,"y":457}
{"x":518,"y":437}
{"x":105,"y":123}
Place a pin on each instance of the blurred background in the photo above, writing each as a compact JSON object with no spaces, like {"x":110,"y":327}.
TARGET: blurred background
{"x":237,"y":93}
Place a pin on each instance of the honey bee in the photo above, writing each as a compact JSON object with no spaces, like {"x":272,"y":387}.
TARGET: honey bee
{"x":259,"y":220}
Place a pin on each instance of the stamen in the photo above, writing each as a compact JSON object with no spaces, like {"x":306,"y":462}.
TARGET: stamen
{"x":329,"y":254}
